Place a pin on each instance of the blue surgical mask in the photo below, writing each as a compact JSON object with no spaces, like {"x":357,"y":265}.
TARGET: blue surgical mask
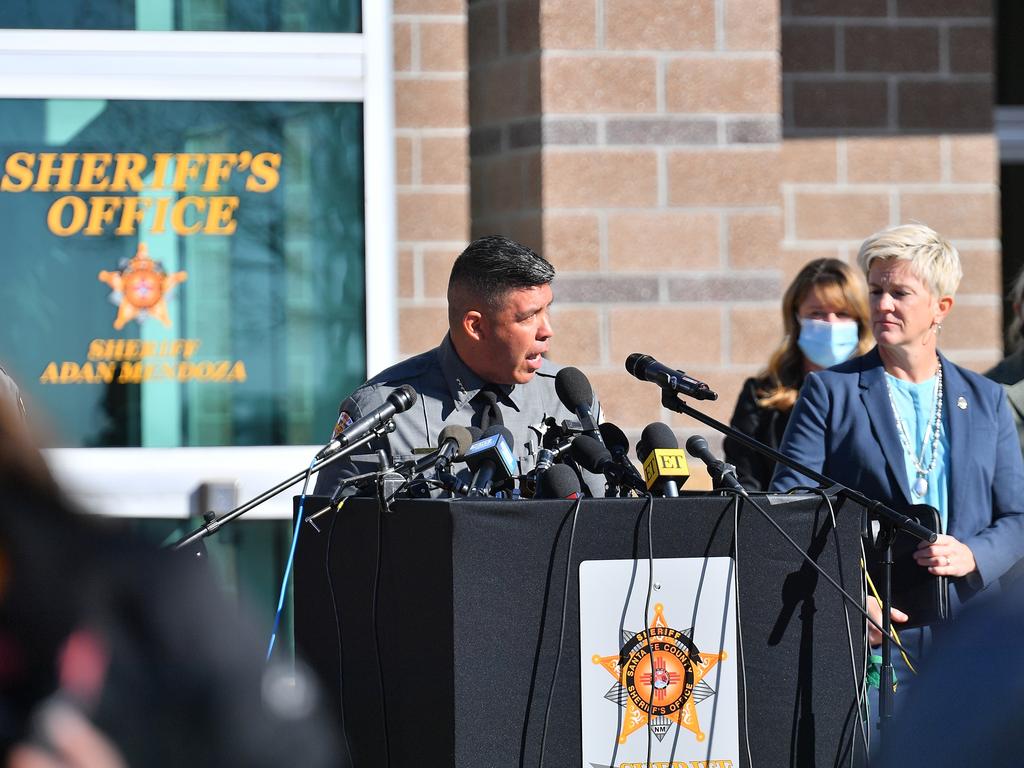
{"x":828,"y":344}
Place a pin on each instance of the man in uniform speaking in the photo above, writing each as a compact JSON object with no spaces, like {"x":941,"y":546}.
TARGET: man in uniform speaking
{"x":489,"y":369}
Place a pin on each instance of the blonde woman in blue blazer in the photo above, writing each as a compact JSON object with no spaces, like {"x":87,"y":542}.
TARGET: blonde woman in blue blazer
{"x":904,"y":425}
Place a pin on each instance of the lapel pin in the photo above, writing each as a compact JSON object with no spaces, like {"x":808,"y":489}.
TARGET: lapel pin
{"x":961,"y":403}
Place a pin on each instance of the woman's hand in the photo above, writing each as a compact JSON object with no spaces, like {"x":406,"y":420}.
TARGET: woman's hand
{"x":875,"y":612}
{"x":946,"y":557}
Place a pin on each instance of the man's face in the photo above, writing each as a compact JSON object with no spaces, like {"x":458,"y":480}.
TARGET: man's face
{"x":513,"y":337}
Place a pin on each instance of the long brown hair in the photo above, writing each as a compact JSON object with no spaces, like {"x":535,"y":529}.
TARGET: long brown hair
{"x":840,"y":284}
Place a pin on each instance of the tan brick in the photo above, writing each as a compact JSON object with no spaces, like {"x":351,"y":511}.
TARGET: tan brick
{"x":433,"y":215}
{"x":598,"y":84}
{"x":499,"y":183}
{"x":406,"y":273}
{"x":437,"y":265}
{"x":667,"y":241}
{"x":723,"y":85}
{"x":669,"y":333}
{"x":577,"y":339}
{"x":840,"y":215}
{"x":972,"y":328}
{"x":808,"y":160}
{"x":730,"y":177}
{"x":568,"y":24}
{"x":403,"y":46}
{"x":903,"y":159}
{"x":444,"y":160}
{"x":503,"y":90}
{"x":429,"y":6}
{"x":430,"y":104}
{"x":983,"y":271}
{"x":522,"y":26}
{"x":674,"y":25}
{"x":625,"y":401}
{"x":755,"y":332}
{"x":754,"y":240}
{"x":403,"y":160}
{"x":954,"y":215}
{"x":600,"y":179}
{"x":443,"y":47}
{"x":572,"y":242}
{"x":975,"y":158}
{"x":752,"y":25}
{"x":421,"y":328}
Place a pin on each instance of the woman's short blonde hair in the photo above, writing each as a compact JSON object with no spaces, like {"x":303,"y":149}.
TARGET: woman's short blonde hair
{"x":932,"y":258}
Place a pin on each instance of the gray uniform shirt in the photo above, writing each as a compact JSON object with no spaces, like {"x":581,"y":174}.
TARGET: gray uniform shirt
{"x":445,"y":386}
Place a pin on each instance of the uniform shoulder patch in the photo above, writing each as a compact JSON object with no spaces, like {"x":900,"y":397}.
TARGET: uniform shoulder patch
{"x":344,"y":420}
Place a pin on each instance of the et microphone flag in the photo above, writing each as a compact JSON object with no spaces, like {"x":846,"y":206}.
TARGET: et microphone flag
{"x":665,"y":464}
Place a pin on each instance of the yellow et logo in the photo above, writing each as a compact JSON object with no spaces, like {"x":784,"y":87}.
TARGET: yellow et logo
{"x":665,"y":463}
{"x":141,"y":288}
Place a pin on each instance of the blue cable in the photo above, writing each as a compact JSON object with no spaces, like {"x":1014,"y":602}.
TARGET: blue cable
{"x":288,"y":566}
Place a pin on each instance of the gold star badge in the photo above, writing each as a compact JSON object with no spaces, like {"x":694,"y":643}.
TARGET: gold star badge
{"x":659,"y":678}
{"x":141,"y":289}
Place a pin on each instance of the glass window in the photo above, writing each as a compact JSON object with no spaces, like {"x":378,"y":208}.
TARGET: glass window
{"x":185,"y":15}
{"x":183,"y":273}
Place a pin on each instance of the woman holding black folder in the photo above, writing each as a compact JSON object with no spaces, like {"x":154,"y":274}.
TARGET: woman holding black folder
{"x":905,"y":426}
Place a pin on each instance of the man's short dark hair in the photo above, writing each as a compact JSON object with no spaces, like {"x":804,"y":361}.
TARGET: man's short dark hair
{"x":492,"y":266}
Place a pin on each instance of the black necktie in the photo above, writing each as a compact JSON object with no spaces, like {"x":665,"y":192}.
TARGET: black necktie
{"x":485,"y":407}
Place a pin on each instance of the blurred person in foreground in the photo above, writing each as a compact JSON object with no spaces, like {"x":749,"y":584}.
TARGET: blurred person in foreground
{"x":1010,"y":371}
{"x":825,"y":322}
{"x":903,"y":425}
{"x":114,"y":654}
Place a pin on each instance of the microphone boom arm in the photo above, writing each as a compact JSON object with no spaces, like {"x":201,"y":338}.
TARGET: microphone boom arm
{"x":214,"y":523}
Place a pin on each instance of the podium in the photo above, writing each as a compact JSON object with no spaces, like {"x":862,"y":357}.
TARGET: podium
{"x":442,"y":635}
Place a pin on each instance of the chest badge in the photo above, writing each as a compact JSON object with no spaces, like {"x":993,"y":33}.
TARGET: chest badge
{"x":961,"y":403}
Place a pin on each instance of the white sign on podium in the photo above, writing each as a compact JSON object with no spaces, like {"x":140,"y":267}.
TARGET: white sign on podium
{"x":659,"y":674}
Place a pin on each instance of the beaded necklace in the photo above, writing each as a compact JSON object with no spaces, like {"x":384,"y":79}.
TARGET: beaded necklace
{"x":931,"y":435}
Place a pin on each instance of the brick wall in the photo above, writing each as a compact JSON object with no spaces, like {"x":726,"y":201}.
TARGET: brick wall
{"x":888,"y":118}
{"x":432,"y":161}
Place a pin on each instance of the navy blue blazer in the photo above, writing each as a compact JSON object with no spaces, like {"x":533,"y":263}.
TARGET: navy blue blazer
{"x":843,"y":427}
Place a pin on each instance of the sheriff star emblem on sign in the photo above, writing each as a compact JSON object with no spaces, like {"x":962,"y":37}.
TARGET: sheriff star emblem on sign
{"x":141,"y":288}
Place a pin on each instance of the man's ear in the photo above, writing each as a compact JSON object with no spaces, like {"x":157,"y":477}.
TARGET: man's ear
{"x":474,"y":325}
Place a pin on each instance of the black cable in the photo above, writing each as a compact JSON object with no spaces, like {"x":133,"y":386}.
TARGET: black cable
{"x":647,"y":608}
{"x":337,"y":624}
{"x":561,"y":631}
{"x":376,"y":633}
{"x":739,"y":619}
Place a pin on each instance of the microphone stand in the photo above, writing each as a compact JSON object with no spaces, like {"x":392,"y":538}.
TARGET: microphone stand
{"x":214,"y":523}
{"x":890,"y":520}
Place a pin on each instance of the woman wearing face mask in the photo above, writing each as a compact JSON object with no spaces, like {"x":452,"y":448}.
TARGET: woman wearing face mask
{"x":825,"y":319}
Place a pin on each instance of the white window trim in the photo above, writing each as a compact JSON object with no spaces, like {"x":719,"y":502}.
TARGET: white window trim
{"x":224,"y":66}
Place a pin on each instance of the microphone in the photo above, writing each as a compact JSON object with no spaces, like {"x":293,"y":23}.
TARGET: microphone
{"x":646,"y":368}
{"x":665,"y":462}
{"x":722,"y":474}
{"x":400,"y":400}
{"x":490,"y":459}
{"x":614,"y":440}
{"x":574,"y":390}
{"x":453,"y":441}
{"x":559,"y":482}
{"x":595,"y":457}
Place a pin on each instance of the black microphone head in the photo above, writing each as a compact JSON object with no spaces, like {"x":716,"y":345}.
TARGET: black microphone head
{"x":637,"y":363}
{"x":643,"y":450}
{"x":403,"y":398}
{"x":659,"y":436}
{"x":589,"y":453}
{"x":697,"y":446}
{"x":573,"y":389}
{"x":459,"y":434}
{"x":475,"y":433}
{"x":614,"y":439}
{"x":499,"y":429}
{"x":559,"y":482}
